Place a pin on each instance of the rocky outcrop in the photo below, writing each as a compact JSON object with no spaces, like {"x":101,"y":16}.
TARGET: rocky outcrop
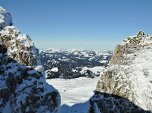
{"x":19,"y":46}
{"x":5,"y":18}
{"x":23,"y":88}
{"x":126,"y":85}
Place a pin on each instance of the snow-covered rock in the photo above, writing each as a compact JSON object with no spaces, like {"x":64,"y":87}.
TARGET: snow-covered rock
{"x":19,"y":46}
{"x":39,"y":68}
{"x":5,"y":18}
{"x":23,"y":88}
{"x":126,"y":85}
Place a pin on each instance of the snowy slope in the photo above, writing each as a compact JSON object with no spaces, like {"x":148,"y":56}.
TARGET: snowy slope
{"x":76,"y":90}
{"x":75,"y":93}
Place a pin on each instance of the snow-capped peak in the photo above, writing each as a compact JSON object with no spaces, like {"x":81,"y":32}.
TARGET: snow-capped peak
{"x":5,"y":18}
{"x":140,"y":39}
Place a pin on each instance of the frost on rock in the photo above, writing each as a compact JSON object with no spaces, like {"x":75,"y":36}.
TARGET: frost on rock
{"x":39,"y":68}
{"x":5,"y":18}
{"x":23,"y":88}
{"x":126,"y":85}
{"x":19,"y":46}
{"x":22,"y":91}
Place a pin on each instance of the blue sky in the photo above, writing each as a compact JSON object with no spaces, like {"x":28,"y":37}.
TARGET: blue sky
{"x":86,"y":24}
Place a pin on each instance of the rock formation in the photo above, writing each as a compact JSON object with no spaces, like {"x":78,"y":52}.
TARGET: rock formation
{"x":126,"y":84}
{"x":19,"y":46}
{"x":5,"y":18}
{"x":23,"y":88}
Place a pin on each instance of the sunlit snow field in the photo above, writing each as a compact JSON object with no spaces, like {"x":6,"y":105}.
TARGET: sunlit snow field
{"x":74,"y":93}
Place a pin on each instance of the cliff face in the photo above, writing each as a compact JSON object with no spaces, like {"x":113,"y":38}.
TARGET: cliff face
{"x":23,"y":88}
{"x":126,"y":85}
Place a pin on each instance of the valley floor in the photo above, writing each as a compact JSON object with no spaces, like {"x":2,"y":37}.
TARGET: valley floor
{"x":75,"y":93}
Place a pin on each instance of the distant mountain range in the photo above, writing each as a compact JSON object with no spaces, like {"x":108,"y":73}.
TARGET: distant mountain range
{"x":124,"y":86}
{"x":73,"y":63}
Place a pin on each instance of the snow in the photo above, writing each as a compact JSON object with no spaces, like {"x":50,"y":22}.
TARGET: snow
{"x":6,"y":31}
{"x":135,"y":71}
{"x":25,"y":40}
{"x":103,"y":61}
{"x":55,"y":69}
{"x":19,"y":48}
{"x":77,"y":108}
{"x":75,"y":93}
{"x":51,"y":50}
{"x":96,"y":70}
{"x":22,"y":37}
{"x":39,"y":68}
{"x":84,"y":54}
{"x":140,"y":68}
{"x":2,"y":10}
{"x":5,"y":18}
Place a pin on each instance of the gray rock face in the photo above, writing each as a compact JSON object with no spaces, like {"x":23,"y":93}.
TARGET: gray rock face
{"x":23,"y":88}
{"x":128,"y":77}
